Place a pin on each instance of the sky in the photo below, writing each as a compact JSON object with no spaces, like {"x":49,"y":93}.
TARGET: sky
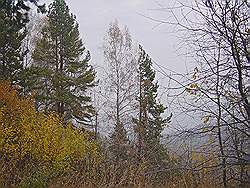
{"x":159,"y":41}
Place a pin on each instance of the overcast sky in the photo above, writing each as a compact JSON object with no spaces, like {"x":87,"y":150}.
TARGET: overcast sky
{"x":160,"y":42}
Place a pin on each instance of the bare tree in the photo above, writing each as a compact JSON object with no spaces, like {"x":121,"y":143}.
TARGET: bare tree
{"x":120,"y":85}
{"x":217,"y":32}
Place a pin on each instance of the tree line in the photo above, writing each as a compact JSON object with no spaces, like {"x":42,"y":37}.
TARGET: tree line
{"x":49,"y":103}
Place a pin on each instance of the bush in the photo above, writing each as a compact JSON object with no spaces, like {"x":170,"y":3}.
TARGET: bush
{"x":36,"y":147}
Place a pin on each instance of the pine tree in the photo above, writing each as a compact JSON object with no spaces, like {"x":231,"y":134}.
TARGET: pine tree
{"x":61,"y":63}
{"x":150,"y":122}
{"x":119,"y":143}
{"x":13,"y":19}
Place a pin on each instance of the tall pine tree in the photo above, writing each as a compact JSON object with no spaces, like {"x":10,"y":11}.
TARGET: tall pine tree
{"x":150,"y":123}
{"x":64,"y":73}
{"x":13,"y":19}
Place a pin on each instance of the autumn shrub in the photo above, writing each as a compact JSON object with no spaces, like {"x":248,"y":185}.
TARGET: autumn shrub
{"x":35,"y":147}
{"x":38,"y":150}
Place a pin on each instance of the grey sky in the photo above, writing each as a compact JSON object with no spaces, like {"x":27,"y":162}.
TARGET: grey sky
{"x":160,"y":42}
{"x":94,"y":17}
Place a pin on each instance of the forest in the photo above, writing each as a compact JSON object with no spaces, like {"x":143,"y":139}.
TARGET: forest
{"x":54,"y":105}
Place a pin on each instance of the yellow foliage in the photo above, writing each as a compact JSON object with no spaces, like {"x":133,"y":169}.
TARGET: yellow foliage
{"x":24,"y":132}
{"x":206,"y":119}
{"x":192,"y":88}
